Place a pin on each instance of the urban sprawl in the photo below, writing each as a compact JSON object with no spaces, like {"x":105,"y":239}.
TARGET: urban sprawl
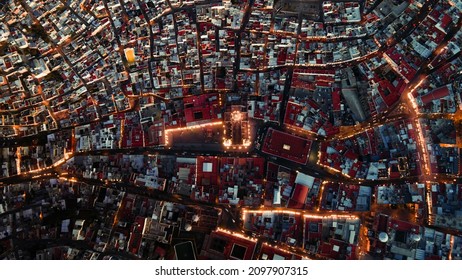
{"x":231,"y":129}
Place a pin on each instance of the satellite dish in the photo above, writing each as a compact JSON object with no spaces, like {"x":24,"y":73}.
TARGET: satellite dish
{"x":383,"y":237}
{"x":188,"y":227}
{"x":416,"y":237}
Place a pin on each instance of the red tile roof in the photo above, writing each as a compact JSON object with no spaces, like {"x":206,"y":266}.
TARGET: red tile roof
{"x":201,"y":108}
{"x":136,"y":235}
{"x":287,"y":146}
{"x":435,"y":94}
{"x":445,"y":21}
{"x":404,"y":226}
{"x":272,"y":251}
{"x":204,"y":177}
{"x":231,"y":241}
{"x":336,"y":99}
{"x":298,"y":197}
